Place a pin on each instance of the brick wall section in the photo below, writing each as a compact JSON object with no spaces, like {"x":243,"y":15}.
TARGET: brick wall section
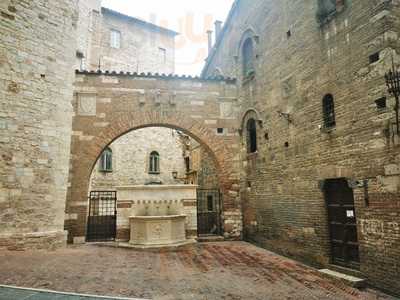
{"x":284,"y":209}
{"x":37,"y":43}
{"x":107,"y":106}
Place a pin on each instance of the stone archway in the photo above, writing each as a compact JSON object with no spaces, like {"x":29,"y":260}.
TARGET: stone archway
{"x":108,"y":120}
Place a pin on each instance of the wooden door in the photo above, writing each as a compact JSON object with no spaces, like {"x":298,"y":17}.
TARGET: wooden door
{"x":342,"y":223}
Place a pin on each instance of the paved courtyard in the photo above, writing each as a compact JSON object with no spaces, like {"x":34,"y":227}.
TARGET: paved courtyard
{"x":227,"y":270}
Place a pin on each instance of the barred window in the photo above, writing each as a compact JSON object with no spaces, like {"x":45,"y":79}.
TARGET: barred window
{"x":328,"y":111}
{"x":251,"y":136}
{"x":248,"y":56}
{"x":154,"y":163}
{"x":106,"y":160}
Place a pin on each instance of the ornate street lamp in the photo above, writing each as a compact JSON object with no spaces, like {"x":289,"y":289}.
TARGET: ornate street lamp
{"x":393,"y":83}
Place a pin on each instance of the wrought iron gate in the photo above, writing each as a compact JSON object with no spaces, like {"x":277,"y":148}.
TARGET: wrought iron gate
{"x":102,"y":219}
{"x":342,"y":223}
{"x":209,"y":212}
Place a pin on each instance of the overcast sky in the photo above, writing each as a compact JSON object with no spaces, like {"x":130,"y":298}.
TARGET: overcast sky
{"x":191,"y":18}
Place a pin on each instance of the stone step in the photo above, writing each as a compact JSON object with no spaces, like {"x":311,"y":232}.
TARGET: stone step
{"x":344,"y":270}
{"x":347,"y":279}
{"x":210,"y":238}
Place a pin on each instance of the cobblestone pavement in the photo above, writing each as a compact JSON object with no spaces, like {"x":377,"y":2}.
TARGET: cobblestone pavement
{"x":226,"y":270}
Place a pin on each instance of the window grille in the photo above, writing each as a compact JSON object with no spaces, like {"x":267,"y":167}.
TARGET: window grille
{"x":328,"y":110}
{"x":106,"y":160}
{"x":154,"y":164}
{"x":251,"y":136}
{"x":248,"y":56}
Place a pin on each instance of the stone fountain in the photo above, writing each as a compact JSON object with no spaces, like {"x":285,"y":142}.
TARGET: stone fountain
{"x":156,"y":215}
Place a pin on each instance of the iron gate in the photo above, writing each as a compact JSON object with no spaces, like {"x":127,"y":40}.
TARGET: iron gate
{"x":102,"y":219}
{"x":209,"y":211}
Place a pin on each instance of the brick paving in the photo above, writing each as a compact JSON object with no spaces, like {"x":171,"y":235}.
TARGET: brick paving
{"x":14,"y":293}
{"x":226,"y":270}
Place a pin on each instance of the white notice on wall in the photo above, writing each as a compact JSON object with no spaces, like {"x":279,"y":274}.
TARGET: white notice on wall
{"x":350,"y":213}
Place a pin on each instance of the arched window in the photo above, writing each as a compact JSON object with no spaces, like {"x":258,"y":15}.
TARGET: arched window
{"x":154,"y":163}
{"x":106,"y":160}
{"x":248,"y":57}
{"x":251,"y":136}
{"x":328,"y":111}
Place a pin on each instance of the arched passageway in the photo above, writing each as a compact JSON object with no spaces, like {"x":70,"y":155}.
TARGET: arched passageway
{"x":107,"y":107}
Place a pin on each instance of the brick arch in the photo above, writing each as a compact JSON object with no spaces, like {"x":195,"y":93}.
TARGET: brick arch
{"x":134,"y":121}
{"x":108,"y":106}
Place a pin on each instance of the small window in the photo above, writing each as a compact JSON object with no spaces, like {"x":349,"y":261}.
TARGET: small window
{"x":154,"y":163}
{"x":106,"y":160}
{"x":251,"y":136}
{"x":374,"y":58}
{"x":220,"y":130}
{"x":163,"y":55}
{"x":187,"y":164}
{"x":326,"y":8}
{"x":248,"y":57}
{"x":328,"y":111}
{"x":381,"y":103}
{"x":115,"y":39}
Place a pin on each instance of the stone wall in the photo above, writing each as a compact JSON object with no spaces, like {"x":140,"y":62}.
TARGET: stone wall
{"x":297,"y":61}
{"x":37,"y":42}
{"x":108,"y":105}
{"x":140,"y":45}
{"x":89,"y":12}
{"x":131,"y":154}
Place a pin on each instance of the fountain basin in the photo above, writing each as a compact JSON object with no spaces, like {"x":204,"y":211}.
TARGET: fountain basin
{"x":155,"y":201}
{"x":153,"y":231}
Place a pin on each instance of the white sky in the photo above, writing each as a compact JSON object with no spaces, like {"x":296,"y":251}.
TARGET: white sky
{"x":191,"y":18}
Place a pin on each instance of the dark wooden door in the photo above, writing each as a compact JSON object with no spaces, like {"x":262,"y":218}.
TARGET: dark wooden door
{"x":342,"y":223}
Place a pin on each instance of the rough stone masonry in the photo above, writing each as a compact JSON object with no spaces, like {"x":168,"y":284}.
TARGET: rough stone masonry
{"x":302,"y":52}
{"x":37,"y":42}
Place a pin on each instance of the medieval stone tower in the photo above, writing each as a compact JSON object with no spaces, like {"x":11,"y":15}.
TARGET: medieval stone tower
{"x":37,"y":43}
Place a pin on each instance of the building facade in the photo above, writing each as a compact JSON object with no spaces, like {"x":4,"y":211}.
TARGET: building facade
{"x":109,"y":40}
{"x":320,"y":157}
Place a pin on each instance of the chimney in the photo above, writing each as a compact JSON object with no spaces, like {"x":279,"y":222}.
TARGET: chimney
{"x":209,"y":34}
{"x":218,"y":27}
